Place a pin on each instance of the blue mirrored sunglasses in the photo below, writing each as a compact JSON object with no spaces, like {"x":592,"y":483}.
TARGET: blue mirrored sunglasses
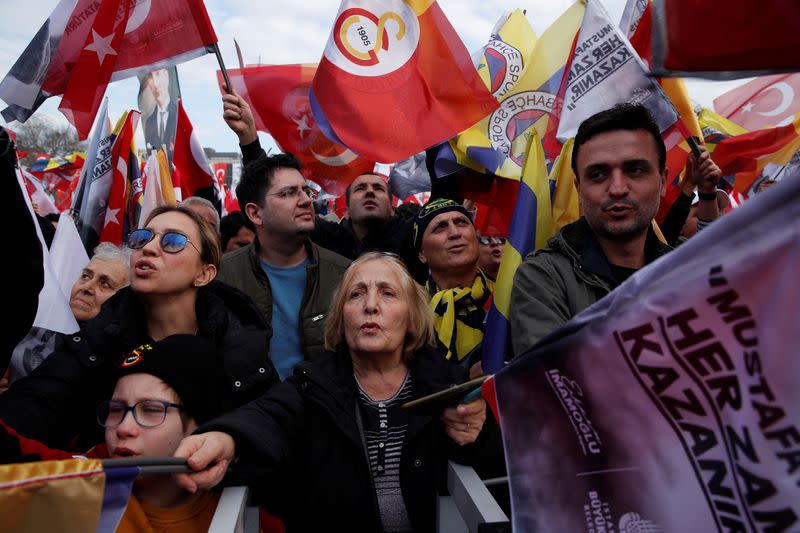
{"x":171,"y":242}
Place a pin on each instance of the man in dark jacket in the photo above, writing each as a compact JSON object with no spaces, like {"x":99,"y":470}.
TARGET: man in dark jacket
{"x":290,"y":278}
{"x":619,"y":161}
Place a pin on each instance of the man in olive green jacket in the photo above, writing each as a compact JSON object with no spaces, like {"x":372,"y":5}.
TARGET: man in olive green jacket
{"x":291,"y":279}
{"x":619,"y":161}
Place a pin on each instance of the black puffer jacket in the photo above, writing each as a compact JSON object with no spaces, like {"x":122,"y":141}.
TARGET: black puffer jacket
{"x":300,"y":445}
{"x":57,"y":401}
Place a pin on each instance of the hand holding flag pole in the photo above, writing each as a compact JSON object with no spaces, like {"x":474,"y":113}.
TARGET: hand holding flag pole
{"x":222,"y":68}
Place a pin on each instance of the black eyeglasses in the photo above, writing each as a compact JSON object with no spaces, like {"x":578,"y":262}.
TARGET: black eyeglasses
{"x":146,"y":413}
{"x":171,"y":242}
{"x":486,"y":241}
{"x":292,"y":193}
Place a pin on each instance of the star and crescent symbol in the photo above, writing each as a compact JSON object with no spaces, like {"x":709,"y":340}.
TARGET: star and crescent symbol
{"x":787,"y":97}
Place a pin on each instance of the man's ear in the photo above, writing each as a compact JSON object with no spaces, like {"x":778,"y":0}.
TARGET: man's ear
{"x":253,"y":212}
{"x":664,"y":181}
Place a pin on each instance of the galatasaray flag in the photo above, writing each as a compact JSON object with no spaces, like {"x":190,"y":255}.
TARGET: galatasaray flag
{"x":278,"y":98}
{"x":396,"y":79}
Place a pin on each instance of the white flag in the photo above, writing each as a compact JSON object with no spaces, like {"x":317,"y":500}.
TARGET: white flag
{"x":606,"y":71}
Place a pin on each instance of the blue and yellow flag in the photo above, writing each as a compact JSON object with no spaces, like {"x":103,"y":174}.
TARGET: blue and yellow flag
{"x":716,"y":128}
{"x":524,"y":74}
{"x":531,"y":226}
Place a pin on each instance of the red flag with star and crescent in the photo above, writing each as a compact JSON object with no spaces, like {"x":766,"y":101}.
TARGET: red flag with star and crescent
{"x":278,"y":97}
{"x":763,"y":102}
{"x":124,"y":160}
{"x":189,"y":158}
{"x":92,"y":72}
{"x":229,"y":203}
{"x":85,"y":44}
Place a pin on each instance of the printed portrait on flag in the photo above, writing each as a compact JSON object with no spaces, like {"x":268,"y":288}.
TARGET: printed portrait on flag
{"x":158,"y":101}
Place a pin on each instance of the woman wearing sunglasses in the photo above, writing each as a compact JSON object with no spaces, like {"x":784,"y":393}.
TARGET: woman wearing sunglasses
{"x":176,"y":256}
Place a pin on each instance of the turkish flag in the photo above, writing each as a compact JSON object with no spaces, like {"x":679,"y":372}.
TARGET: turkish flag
{"x":278,"y":97}
{"x":762,"y":102}
{"x":229,"y":202}
{"x":395,"y":79}
{"x":114,"y":224}
{"x":84,"y":44}
{"x":189,"y":158}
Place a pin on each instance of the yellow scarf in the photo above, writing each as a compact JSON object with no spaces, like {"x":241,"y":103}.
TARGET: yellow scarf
{"x":458,"y":316}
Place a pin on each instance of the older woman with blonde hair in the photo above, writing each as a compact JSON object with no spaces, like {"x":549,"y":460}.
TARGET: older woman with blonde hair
{"x":331,"y":446}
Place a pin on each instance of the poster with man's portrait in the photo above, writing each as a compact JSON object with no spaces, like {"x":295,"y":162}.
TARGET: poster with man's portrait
{"x":158,"y":101}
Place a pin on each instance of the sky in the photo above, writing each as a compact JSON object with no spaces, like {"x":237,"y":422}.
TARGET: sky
{"x":279,"y":32}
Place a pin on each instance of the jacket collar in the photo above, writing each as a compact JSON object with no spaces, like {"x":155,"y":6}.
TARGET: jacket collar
{"x":333,"y":376}
{"x":122,"y":322}
{"x":580,"y":243}
{"x":255,"y":258}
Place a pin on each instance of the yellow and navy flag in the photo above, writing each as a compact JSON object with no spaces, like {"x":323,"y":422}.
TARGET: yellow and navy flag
{"x":716,"y":128}
{"x":531,"y":226}
{"x":524,"y":74}
{"x":565,"y":196}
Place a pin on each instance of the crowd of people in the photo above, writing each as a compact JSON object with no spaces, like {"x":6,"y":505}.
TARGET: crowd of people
{"x":275,"y":347}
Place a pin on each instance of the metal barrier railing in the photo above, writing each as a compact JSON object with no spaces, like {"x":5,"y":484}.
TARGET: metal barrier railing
{"x":233,"y":515}
{"x":470,"y":507}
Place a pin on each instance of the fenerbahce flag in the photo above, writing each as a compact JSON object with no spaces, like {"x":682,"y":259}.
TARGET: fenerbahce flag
{"x":396,"y":79}
{"x":673,"y":404}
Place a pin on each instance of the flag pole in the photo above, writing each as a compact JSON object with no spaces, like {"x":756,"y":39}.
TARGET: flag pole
{"x":228,"y":88}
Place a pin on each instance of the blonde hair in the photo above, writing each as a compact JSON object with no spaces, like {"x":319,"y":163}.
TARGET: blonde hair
{"x":420,"y":316}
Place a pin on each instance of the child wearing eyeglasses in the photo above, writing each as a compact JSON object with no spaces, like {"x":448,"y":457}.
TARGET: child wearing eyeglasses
{"x":163,"y":391}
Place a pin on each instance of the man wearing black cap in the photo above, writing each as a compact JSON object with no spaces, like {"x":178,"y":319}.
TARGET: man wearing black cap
{"x":446,"y":241}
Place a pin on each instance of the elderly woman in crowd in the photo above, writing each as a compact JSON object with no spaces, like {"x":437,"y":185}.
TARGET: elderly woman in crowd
{"x":331,"y":446}
{"x":172,"y":290}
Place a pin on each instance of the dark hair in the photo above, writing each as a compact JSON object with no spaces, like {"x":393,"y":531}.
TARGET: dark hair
{"x":408,"y":210}
{"x":620,"y":117}
{"x":210,"y":251}
{"x":257,"y":176}
{"x":350,"y":185}
{"x":230,"y":224}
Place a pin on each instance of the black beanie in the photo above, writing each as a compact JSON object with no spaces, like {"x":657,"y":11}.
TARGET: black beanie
{"x":191,"y":365}
{"x":430,"y":211}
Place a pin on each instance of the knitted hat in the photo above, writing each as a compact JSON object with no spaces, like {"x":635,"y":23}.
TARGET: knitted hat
{"x":191,"y":365}
{"x":430,"y":211}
